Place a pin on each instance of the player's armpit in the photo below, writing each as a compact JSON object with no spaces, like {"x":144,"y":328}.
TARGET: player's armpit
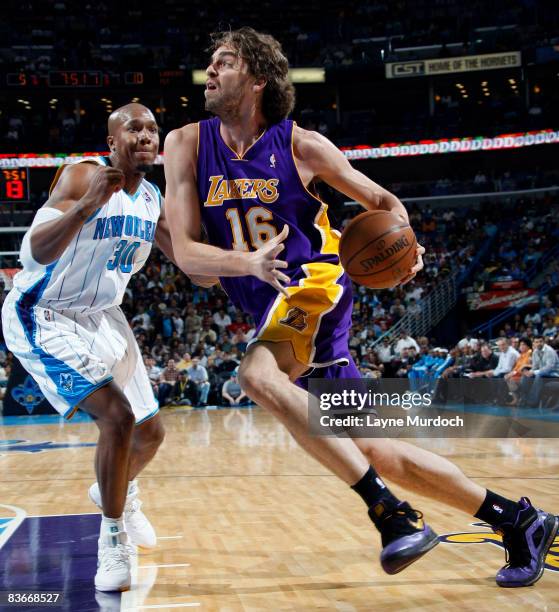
{"x":318,"y":158}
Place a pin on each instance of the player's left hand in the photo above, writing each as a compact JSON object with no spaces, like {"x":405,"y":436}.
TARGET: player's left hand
{"x":417,"y":267}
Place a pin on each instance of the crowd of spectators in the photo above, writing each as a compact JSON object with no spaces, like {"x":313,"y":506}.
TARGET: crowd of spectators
{"x":529,"y":230}
{"x":520,"y":368}
{"x":172,"y":34}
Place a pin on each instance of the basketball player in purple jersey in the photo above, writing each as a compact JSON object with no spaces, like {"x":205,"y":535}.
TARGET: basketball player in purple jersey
{"x":247,"y":175}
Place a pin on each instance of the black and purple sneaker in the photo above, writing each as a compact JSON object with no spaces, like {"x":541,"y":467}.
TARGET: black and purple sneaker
{"x":405,"y":537}
{"x":526,"y":543}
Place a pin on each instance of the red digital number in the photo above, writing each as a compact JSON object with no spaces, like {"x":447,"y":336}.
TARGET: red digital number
{"x":14,"y":190}
{"x":13,"y":175}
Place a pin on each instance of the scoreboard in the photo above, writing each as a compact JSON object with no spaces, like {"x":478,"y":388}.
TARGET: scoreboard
{"x":14,"y":185}
{"x":92,"y":79}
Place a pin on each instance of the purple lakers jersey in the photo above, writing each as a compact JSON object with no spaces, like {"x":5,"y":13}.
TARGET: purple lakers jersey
{"x":247,"y":200}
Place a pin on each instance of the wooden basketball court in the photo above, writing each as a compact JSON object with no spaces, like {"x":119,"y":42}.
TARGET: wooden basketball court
{"x":247,"y":521}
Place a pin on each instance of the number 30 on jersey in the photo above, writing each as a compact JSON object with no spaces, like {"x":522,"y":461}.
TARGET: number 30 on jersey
{"x":259,"y":230}
{"x":123,"y":256}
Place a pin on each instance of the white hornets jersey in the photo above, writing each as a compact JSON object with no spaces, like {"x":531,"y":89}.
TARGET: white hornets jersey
{"x":94,"y":270}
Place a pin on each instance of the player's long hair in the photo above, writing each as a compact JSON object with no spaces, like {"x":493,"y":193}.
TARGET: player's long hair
{"x":264,"y":57}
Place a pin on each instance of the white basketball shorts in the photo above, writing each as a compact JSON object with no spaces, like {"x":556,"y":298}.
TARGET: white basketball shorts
{"x":70,"y":355}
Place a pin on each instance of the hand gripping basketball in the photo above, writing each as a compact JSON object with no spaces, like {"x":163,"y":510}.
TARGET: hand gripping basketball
{"x":418,"y":266}
{"x":264,"y":265}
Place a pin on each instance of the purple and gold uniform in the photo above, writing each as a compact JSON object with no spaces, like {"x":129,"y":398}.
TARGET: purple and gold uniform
{"x":246,"y":201}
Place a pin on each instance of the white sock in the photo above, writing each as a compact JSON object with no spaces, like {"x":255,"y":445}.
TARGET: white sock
{"x":111,"y":526}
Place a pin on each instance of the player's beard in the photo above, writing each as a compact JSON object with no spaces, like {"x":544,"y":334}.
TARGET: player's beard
{"x":144,"y":168}
{"x":226,"y":105}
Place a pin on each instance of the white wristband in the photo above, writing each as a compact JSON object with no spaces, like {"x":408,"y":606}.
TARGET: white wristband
{"x":26,"y":257}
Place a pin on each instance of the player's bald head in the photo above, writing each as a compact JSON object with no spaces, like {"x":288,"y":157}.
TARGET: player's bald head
{"x":125,"y":113}
{"x":133,"y":138}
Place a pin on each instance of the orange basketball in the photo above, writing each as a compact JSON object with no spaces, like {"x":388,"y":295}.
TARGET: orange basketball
{"x":377,"y":249}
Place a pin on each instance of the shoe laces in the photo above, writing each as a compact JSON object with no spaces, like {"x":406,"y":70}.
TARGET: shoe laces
{"x":131,"y":550}
{"x":517,"y":553}
{"x":515,"y":541}
{"x":112,"y":557}
{"x":133,"y":506}
{"x":404,"y":513}
{"x":399,"y":522}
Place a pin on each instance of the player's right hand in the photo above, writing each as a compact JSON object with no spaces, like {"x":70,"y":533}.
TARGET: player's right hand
{"x":264,"y":265}
{"x":104,"y":183}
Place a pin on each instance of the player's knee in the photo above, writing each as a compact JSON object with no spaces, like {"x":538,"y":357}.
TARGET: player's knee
{"x":259,"y":385}
{"x":149,"y":435}
{"x":119,"y":417}
{"x":381,"y":454}
{"x":157,"y":433}
{"x":249,"y":379}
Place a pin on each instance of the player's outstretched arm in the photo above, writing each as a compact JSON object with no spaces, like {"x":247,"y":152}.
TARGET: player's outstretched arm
{"x":80,"y":191}
{"x":318,"y":158}
{"x":183,"y":216}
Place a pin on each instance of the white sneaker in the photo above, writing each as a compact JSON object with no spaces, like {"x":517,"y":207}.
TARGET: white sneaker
{"x":113,"y":563}
{"x":138,"y":527}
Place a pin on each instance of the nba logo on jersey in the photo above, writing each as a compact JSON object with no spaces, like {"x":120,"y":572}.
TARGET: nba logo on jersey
{"x":272,"y":161}
{"x":66,"y":381}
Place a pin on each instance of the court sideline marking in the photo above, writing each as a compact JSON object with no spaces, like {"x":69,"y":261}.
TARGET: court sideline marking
{"x":14,"y":523}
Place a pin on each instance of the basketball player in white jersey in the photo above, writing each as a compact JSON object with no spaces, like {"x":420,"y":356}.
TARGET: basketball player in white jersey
{"x":63,"y":321}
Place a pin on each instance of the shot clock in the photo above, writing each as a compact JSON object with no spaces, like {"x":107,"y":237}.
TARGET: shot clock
{"x":14,"y":185}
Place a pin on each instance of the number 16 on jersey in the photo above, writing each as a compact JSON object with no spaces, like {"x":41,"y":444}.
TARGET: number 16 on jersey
{"x":256,"y":219}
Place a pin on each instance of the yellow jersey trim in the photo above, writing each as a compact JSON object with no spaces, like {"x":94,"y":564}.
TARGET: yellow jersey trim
{"x":330,"y":237}
{"x":237,"y":156}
